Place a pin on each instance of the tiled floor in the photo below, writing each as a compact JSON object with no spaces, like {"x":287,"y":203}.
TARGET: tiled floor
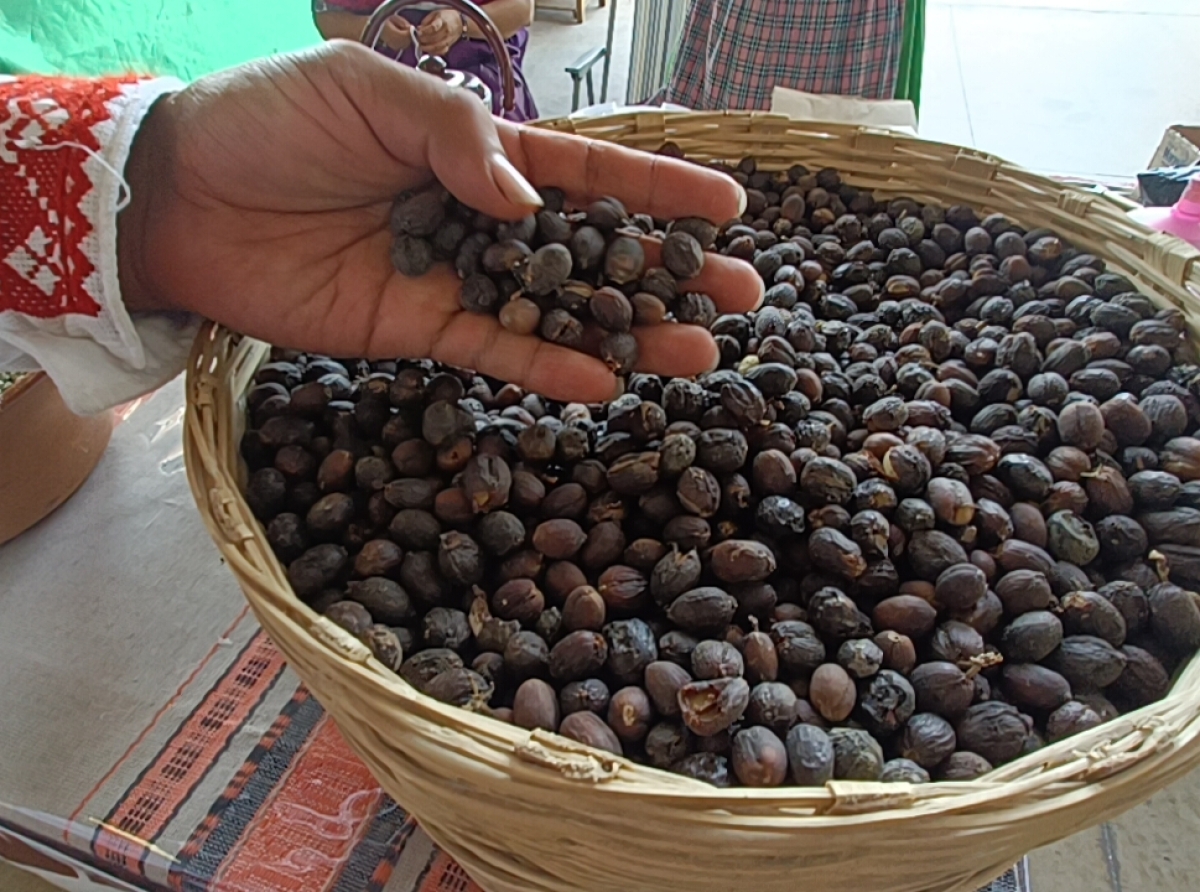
{"x":13,"y":880}
{"x":556,"y":41}
{"x":1083,"y":87}
{"x":1149,"y":849}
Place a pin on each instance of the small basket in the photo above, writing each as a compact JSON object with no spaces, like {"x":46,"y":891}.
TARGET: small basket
{"x":531,"y":812}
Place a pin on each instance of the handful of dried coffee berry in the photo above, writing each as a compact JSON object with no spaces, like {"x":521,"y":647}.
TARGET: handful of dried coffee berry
{"x":939,"y":506}
{"x":558,"y":274}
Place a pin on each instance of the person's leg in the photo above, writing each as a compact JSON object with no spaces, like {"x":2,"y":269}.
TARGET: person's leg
{"x":860,"y":44}
{"x":687,"y":77}
{"x":736,"y":51}
{"x":733,"y":53}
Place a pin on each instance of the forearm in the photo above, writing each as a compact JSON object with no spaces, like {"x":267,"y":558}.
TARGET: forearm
{"x":335,"y":25}
{"x":340,"y":25}
{"x":509,"y":17}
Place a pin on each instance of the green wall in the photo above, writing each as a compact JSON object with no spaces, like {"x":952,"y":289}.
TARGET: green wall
{"x":185,"y":38}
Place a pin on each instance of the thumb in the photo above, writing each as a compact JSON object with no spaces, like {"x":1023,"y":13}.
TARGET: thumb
{"x":422,"y":121}
{"x":465,"y":153}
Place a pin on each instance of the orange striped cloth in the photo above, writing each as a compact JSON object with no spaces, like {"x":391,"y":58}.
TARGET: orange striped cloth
{"x":153,"y":738}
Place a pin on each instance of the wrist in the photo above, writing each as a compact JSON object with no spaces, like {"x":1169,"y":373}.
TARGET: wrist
{"x":149,"y":176}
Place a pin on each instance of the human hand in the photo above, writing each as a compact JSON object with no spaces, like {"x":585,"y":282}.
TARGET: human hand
{"x":439,"y":31}
{"x":261,"y":198}
{"x":396,"y":34}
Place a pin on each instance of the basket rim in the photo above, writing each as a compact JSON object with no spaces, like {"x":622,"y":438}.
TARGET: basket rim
{"x":813,"y":126}
{"x":24,"y":383}
{"x":647,"y":123}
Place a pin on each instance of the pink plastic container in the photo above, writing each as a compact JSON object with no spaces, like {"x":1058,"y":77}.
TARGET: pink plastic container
{"x":1182,"y":220}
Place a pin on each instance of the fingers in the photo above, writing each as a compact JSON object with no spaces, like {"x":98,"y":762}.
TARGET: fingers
{"x":651,"y":184}
{"x":423,"y":319}
{"x":422,"y":122}
{"x":453,"y":133}
{"x":464,"y":152}
{"x":438,"y":48}
{"x":396,"y":32}
{"x":435,"y":34}
{"x":458,"y":139}
{"x":479,"y":342}
{"x":734,"y":285}
{"x":678,"y":351}
{"x":436,"y":20}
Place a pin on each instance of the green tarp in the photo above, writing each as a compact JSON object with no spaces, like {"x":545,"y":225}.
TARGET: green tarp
{"x":184,"y":38}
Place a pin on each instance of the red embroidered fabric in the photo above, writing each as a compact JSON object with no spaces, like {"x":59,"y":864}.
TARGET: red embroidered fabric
{"x":44,"y":123}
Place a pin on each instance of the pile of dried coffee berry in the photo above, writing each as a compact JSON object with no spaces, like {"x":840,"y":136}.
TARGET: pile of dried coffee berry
{"x":559,"y":273}
{"x":939,"y":506}
{"x":8,"y":379}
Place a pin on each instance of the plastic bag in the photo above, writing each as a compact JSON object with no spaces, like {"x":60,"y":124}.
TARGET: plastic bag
{"x":1161,"y":188}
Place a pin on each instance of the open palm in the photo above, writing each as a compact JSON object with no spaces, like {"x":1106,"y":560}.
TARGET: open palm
{"x":261,"y":200}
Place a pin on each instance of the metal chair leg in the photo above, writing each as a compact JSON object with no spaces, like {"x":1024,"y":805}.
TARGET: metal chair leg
{"x":581,"y":68}
{"x":608,"y":50}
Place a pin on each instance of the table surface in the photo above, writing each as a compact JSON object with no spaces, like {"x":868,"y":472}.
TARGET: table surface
{"x":153,"y":737}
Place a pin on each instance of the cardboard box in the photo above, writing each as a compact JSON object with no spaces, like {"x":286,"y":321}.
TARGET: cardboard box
{"x":1180,"y":147}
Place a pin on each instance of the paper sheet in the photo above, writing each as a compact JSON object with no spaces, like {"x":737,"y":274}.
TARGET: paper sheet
{"x":897,"y":115}
{"x":613,"y":108}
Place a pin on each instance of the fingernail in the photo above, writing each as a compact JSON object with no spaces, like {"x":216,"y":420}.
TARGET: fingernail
{"x":762,"y":294}
{"x":514,"y":186}
{"x":618,"y":389}
{"x":743,"y":201}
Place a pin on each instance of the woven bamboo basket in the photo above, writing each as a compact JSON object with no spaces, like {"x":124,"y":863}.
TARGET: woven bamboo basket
{"x":531,"y":812}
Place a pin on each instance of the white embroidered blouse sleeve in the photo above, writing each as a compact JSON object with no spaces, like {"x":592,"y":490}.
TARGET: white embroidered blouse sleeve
{"x":64,"y":144}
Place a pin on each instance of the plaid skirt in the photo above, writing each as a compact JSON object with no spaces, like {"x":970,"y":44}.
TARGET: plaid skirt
{"x":735,"y":52}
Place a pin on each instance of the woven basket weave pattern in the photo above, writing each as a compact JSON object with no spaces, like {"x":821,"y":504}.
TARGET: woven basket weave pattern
{"x":534,"y":813}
